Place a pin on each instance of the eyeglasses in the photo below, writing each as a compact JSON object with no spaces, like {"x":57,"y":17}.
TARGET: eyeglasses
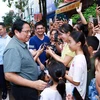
{"x":28,"y":31}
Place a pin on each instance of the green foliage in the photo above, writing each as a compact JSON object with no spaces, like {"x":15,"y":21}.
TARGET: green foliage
{"x":4,"y":0}
{"x":57,"y":2}
{"x":20,"y":4}
{"x":89,"y":11}
{"x":8,"y":19}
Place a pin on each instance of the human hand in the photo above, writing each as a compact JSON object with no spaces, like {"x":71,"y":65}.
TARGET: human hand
{"x":49,"y":51}
{"x":40,"y":85}
{"x":78,"y":9}
{"x":33,"y":52}
{"x":98,"y":10}
{"x":96,"y":30}
{"x":42,"y":66}
{"x":66,"y":72}
{"x":97,"y":97}
{"x":69,"y":97}
{"x":40,"y":50}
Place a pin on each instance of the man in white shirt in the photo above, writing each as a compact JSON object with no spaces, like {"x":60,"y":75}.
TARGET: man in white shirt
{"x":4,"y":39}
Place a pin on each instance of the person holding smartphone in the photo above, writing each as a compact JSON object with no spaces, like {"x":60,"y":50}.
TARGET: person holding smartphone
{"x":98,"y":10}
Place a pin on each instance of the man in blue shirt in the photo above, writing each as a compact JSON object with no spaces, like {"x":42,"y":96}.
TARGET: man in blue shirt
{"x":37,"y":40}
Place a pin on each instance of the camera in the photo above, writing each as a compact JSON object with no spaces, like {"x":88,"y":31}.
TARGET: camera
{"x":56,"y":37}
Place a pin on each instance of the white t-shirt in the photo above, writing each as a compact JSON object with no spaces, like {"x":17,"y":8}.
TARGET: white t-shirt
{"x":78,"y":71}
{"x":98,"y":36}
{"x":50,"y":94}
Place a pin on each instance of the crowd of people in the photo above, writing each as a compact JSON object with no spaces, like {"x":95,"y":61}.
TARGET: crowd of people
{"x":63,"y":64}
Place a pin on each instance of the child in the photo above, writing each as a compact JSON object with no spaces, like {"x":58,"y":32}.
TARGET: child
{"x":57,"y":90}
{"x":77,"y":75}
{"x":92,"y":43}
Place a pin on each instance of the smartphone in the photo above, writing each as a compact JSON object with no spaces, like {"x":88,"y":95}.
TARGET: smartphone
{"x":90,"y":18}
{"x":76,"y":94}
{"x":41,"y":46}
{"x":95,"y":21}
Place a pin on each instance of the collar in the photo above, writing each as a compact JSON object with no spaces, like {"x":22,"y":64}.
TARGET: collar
{"x":22,"y":44}
{"x":4,"y":36}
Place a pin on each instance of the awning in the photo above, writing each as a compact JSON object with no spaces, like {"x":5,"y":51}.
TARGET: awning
{"x":68,"y":7}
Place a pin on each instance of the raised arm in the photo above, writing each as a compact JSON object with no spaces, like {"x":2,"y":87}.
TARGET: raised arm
{"x":78,"y":9}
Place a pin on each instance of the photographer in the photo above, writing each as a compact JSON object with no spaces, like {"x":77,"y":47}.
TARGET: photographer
{"x":55,"y":42}
{"x":38,"y":39}
{"x":66,"y":54}
{"x":96,"y":29}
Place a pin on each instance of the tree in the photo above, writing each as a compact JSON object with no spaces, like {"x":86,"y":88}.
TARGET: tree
{"x":57,"y":2}
{"x":8,"y":19}
{"x":20,"y":4}
{"x":89,"y":11}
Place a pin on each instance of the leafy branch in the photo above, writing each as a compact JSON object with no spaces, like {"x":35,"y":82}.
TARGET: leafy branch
{"x":89,"y":11}
{"x":20,"y":4}
{"x":57,"y":2}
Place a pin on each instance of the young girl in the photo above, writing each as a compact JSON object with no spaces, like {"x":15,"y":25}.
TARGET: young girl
{"x":77,"y":75}
{"x":57,"y":90}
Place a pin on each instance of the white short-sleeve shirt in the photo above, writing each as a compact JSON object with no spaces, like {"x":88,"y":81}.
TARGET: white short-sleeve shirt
{"x":50,"y":94}
{"x":78,"y":71}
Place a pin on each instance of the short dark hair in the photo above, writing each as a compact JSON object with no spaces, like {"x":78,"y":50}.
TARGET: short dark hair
{"x":93,"y":42}
{"x":18,"y":25}
{"x":39,"y":23}
{"x":2,"y":24}
{"x":65,"y":28}
{"x":79,"y":19}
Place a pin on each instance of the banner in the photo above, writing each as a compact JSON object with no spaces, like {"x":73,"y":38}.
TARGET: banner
{"x":67,"y":1}
{"x":68,"y":7}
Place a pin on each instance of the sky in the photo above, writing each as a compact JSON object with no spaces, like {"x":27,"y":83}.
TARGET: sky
{"x":3,"y":9}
